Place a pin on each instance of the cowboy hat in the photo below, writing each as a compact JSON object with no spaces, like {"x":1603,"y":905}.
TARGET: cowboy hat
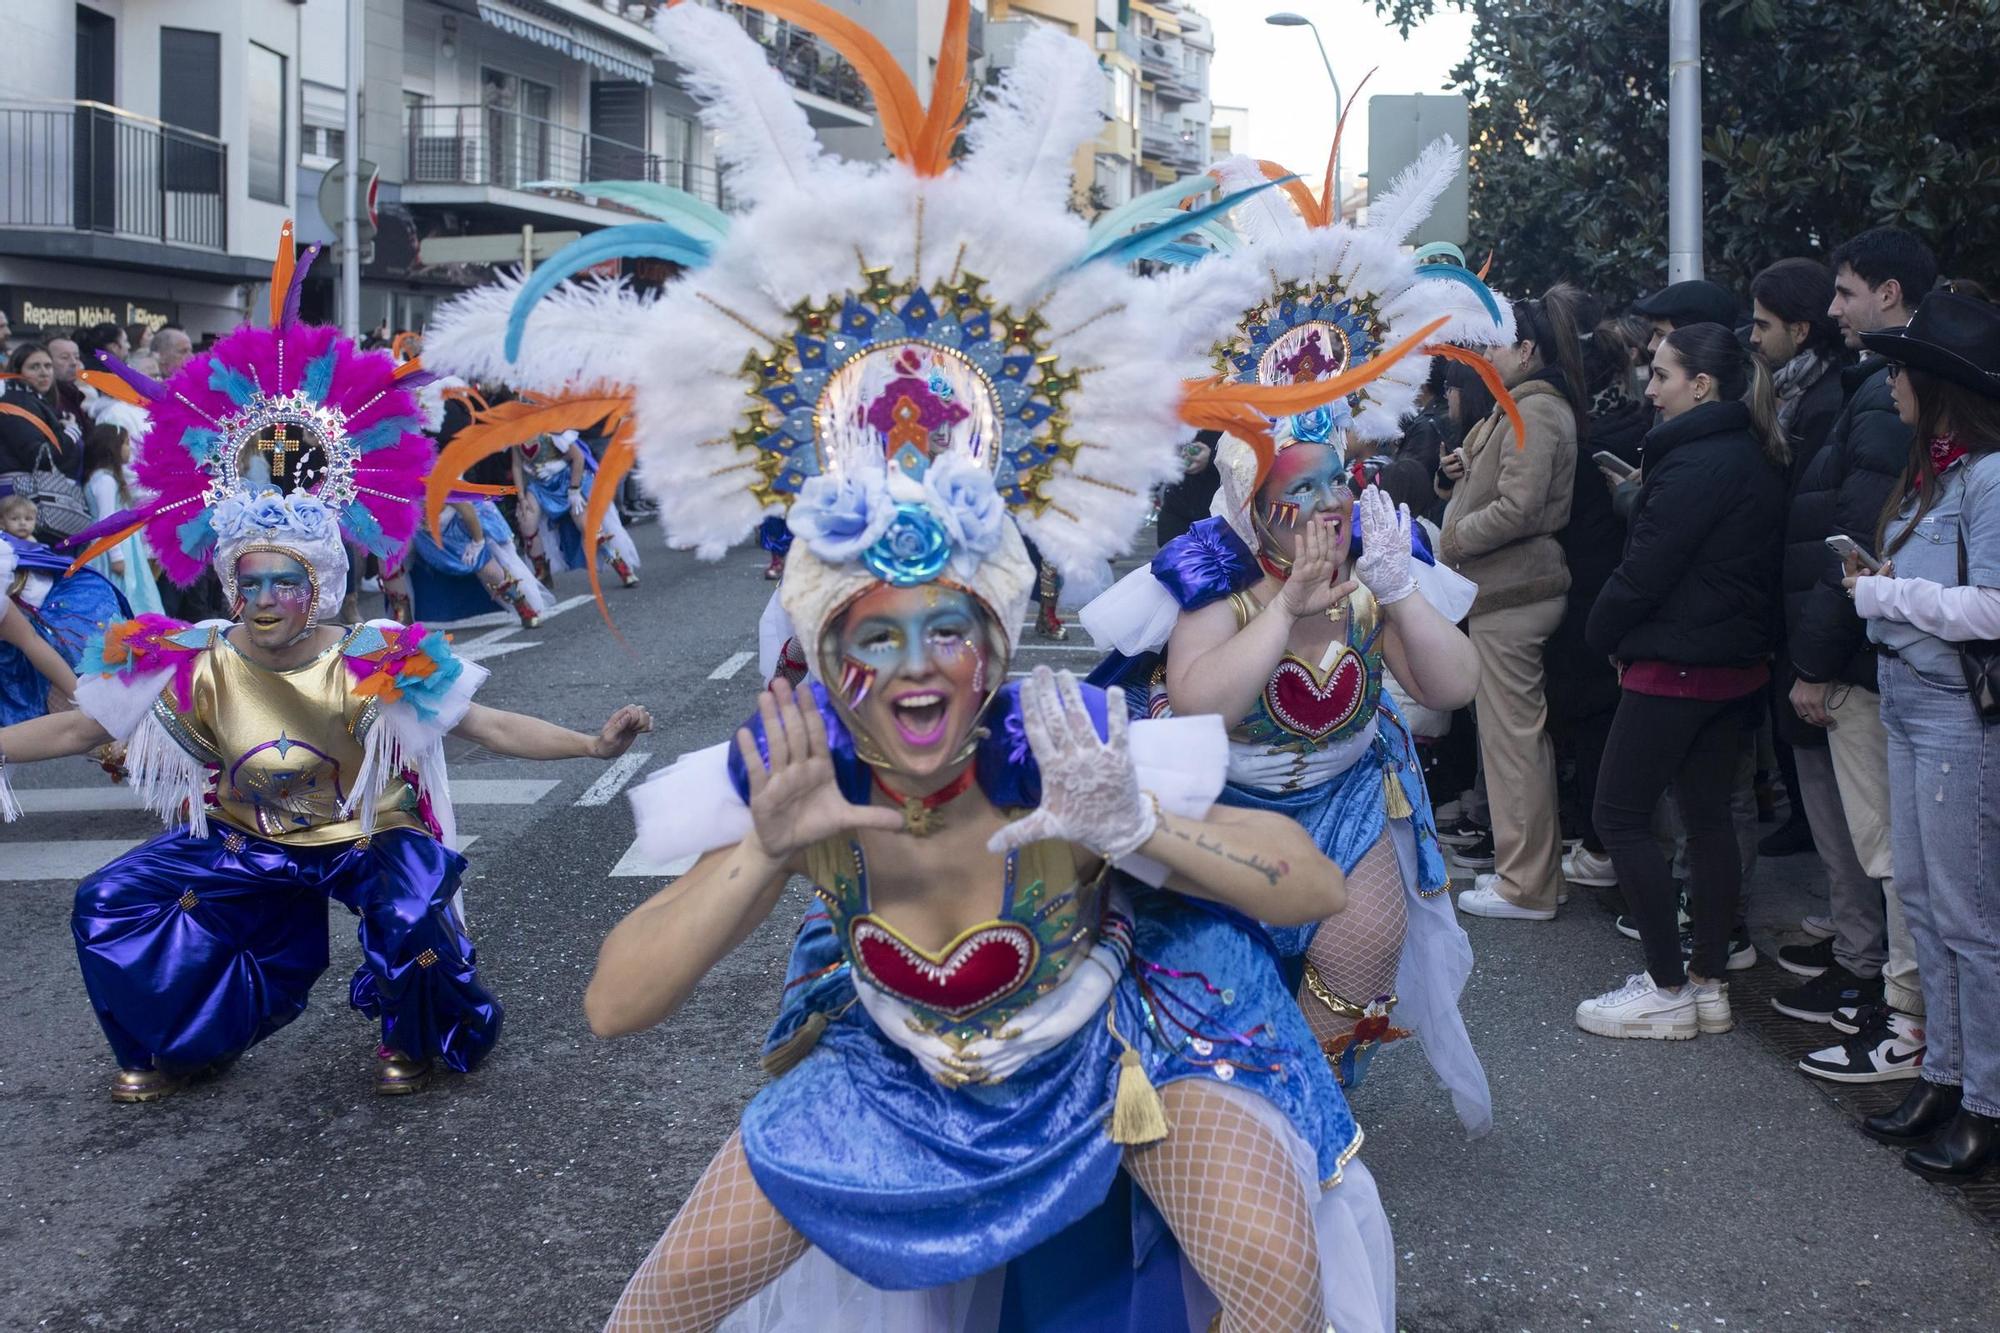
{"x":1954,"y":337}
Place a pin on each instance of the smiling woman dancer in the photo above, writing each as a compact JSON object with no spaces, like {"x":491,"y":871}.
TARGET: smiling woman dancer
{"x":306,"y":759}
{"x":1032,"y":970}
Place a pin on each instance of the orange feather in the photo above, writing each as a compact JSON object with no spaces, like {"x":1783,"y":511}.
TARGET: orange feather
{"x":281,"y":272}
{"x":103,"y":544}
{"x":896,"y":101}
{"x":1486,"y":267}
{"x":619,"y":456}
{"x":34,"y":421}
{"x":1246,"y":424}
{"x":948,"y":93}
{"x":410,"y":367}
{"x":1302,"y":198}
{"x":111,"y":386}
{"x":1329,"y":207}
{"x":1494,"y":385}
{"x":503,"y":426}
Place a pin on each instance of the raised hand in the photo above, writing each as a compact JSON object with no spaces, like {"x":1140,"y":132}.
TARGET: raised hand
{"x":1090,"y":787}
{"x":620,"y":730}
{"x":1384,"y":566}
{"x":795,"y":800}
{"x":1310,"y":589}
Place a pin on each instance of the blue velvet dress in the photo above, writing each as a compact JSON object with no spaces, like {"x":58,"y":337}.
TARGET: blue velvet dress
{"x":909,"y":1183}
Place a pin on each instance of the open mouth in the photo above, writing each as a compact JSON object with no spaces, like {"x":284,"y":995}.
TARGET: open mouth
{"x":920,"y":717}
{"x":267,"y":622}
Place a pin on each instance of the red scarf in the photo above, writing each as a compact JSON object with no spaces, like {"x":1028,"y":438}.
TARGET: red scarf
{"x":1946,"y":449}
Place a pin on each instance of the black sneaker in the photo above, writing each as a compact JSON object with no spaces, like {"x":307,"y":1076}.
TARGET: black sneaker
{"x":1629,"y":928}
{"x":1850,"y":1019}
{"x":1463,"y":831}
{"x":1889,"y":1048}
{"x":1789,"y":839}
{"x":1806,"y":960}
{"x":1742,"y":953}
{"x":1826,"y":994}
{"x":1475,"y":855}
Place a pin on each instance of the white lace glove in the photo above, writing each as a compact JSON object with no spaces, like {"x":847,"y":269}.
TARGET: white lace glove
{"x":579,"y":505}
{"x":1090,"y":787}
{"x":1384,"y":566}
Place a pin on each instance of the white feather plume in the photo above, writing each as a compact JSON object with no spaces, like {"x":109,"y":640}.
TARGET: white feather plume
{"x":761,"y":132}
{"x":1415,"y":192}
{"x":1266,"y":216}
{"x":1031,"y":125}
{"x":579,"y":336}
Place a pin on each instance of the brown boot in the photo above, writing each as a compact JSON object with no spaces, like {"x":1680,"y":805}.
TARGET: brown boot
{"x":145,"y":1085}
{"x":397,"y":1075}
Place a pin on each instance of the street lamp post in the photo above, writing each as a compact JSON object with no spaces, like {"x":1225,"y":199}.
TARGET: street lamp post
{"x":1287,"y":19}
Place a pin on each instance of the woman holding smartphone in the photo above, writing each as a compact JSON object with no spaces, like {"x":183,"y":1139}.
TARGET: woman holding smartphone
{"x":1689,"y":618}
{"x":1937,"y":593}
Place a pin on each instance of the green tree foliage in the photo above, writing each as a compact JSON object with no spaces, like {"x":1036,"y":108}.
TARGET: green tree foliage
{"x":1820,"y":118}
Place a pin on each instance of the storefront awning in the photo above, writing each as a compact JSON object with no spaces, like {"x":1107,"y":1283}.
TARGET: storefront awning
{"x":559,"y":33}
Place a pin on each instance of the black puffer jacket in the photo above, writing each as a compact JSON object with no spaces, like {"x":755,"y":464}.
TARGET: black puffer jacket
{"x":1581,"y":682}
{"x":1699,"y":582}
{"x":1842,"y":489}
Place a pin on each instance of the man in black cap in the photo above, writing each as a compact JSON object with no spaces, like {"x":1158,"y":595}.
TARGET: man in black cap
{"x":1697,"y":301}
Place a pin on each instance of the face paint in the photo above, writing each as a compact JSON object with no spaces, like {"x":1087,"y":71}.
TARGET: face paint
{"x":914,"y":664}
{"x":274,"y":598}
{"x":1307,"y":484}
{"x":1282,"y":514}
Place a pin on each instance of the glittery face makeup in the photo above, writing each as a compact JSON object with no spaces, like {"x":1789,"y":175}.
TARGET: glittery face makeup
{"x":914,"y":664}
{"x":274,"y":598}
{"x":1306,"y":484}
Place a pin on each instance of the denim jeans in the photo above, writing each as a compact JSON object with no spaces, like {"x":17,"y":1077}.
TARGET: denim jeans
{"x":1944,"y":830}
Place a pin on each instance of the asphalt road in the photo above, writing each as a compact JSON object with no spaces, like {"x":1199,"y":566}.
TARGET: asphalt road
{"x":1699,"y":1185}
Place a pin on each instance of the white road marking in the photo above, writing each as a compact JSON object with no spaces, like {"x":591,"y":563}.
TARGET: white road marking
{"x":491,"y":619}
{"x":734,"y":663}
{"x":613,"y":779}
{"x":76,"y":858}
{"x":501,"y":791}
{"x":89,"y":800}
{"x":634,"y":865}
{"x":480,"y":652}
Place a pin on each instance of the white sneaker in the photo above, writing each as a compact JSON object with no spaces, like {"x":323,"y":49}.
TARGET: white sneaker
{"x":1484,"y":899}
{"x":1640,"y":1009}
{"x":1589,"y":868}
{"x":1819,"y":927}
{"x":1711,"y":1006}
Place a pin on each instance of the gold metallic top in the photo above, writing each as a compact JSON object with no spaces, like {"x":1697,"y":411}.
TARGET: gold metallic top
{"x":284,"y":746}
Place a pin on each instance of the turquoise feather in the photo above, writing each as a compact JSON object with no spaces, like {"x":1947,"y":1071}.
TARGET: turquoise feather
{"x":637,"y":240}
{"x":1445,"y":248}
{"x":1148,"y":242}
{"x":661,"y":201}
{"x":384,"y":433}
{"x":1147,"y":209}
{"x":226,"y":379}
{"x":318,"y":382}
{"x":1453,"y":273}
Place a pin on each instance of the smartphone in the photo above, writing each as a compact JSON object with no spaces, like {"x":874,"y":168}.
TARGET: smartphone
{"x":1611,"y":462}
{"x":1843,"y":546}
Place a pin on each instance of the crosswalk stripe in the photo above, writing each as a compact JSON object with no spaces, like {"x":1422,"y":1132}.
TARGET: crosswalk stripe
{"x":733,"y":664}
{"x":87,"y":800}
{"x":613,"y":779}
{"x":634,"y":865}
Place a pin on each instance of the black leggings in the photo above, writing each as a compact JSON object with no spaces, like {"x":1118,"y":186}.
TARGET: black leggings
{"x":1692,"y":744}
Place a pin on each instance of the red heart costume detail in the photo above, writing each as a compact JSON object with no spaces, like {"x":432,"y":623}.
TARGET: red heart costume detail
{"x":1304,"y":706}
{"x":985,"y":964}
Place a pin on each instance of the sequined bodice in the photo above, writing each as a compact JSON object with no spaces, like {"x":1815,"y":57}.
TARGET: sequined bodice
{"x":283,"y":746}
{"x":970,"y":988}
{"x":1303,"y":708}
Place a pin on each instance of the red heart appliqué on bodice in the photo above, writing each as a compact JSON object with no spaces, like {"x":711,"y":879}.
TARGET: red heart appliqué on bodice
{"x":985,"y":964}
{"x":1300,"y":704}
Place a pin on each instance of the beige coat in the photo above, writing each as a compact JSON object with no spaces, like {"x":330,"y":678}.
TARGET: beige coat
{"x":1499,"y":529}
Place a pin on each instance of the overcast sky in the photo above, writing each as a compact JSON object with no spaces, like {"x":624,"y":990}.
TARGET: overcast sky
{"x":1277,"y":74}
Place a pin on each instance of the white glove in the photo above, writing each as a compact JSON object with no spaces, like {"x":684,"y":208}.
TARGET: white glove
{"x":1384,"y":566}
{"x":1090,"y":787}
{"x":579,"y":504}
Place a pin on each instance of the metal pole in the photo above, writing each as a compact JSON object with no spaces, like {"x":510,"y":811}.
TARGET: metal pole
{"x":1335,"y":81}
{"x":1683,"y":140}
{"x":350,"y":188}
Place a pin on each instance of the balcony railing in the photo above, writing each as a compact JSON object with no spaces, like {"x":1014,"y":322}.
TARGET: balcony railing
{"x":491,"y":145}
{"x":85,"y":166}
{"x":807,"y":63}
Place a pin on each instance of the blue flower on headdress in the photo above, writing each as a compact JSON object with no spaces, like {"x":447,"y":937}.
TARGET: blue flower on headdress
{"x":310,"y":518}
{"x":914,"y":550}
{"x":839,"y":517}
{"x":960,"y":494}
{"x":1317,"y":425}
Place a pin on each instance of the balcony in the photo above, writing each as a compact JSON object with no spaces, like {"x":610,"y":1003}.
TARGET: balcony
{"x":88,"y":167}
{"x":491,"y":148}
{"x":831,"y":92}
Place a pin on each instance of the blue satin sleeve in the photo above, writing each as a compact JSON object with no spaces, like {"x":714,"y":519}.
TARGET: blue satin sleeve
{"x":1205,"y":564}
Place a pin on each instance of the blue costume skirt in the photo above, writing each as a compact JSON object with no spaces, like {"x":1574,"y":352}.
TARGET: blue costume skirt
{"x":79,"y":606}
{"x":908,"y":1184}
{"x":444,"y":577}
{"x":193,"y":952}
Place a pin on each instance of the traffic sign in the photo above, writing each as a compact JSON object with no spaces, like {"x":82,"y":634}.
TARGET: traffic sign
{"x":333,"y":204}
{"x":1400,"y":127}
{"x":526,"y":247}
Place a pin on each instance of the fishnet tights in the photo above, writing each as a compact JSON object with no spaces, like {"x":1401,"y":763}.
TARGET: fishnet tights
{"x":1356,"y":953}
{"x":726,"y":1243}
{"x":1232,"y":1195}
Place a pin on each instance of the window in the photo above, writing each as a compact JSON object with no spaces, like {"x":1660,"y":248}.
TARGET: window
{"x":322,"y":141}
{"x":517,"y":127}
{"x":264,"y":137}
{"x":191,"y":99}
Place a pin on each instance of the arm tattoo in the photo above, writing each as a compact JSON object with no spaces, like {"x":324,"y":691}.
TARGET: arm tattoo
{"x":1270,"y":870}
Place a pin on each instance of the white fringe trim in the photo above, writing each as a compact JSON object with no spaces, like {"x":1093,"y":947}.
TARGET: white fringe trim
{"x":168,"y":779}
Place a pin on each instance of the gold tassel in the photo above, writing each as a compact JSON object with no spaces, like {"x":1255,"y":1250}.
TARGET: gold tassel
{"x":1397,"y":804}
{"x":1137,"y":1114}
{"x":780,"y":1059}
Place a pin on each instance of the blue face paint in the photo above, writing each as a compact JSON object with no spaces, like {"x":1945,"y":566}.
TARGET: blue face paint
{"x":1315,"y":487}
{"x":930,"y":637}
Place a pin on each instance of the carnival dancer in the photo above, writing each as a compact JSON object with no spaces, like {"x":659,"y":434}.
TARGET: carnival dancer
{"x":301,"y":760}
{"x":1032,"y":969}
{"x":555,"y":474}
{"x":1283,"y":613}
{"x":50,"y":612}
{"x":23,"y":651}
{"x":471,"y":562}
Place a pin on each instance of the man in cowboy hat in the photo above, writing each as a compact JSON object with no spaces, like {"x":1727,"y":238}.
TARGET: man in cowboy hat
{"x":1879,"y":276}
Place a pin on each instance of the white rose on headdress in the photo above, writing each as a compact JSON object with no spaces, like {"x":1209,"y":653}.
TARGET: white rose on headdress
{"x":310,"y":518}
{"x":839,"y":517}
{"x":960,"y":492}
{"x":231,"y":517}
{"x":268,"y":511}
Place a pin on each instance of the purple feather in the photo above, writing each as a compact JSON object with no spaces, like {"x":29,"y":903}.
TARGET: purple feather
{"x":145,"y":384}
{"x":290,"y":314}
{"x":104,"y":527}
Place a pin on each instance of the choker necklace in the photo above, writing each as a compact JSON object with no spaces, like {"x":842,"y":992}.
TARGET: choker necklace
{"x":920,"y":813}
